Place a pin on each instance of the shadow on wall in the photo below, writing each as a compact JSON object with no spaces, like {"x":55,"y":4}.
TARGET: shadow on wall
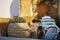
{"x":14,"y":8}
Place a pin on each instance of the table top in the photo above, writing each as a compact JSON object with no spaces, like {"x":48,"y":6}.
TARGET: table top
{"x":10,"y":38}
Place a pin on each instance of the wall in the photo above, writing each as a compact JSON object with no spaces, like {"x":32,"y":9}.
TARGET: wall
{"x":59,"y":8}
{"x":43,"y":8}
{"x":8,"y":8}
{"x":27,"y":8}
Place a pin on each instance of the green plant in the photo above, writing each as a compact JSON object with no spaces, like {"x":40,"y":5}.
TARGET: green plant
{"x":18,"y":20}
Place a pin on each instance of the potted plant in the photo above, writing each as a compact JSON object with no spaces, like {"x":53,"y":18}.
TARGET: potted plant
{"x":18,"y":28}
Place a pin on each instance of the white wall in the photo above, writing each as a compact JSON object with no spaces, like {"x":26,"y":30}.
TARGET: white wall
{"x":9,"y":8}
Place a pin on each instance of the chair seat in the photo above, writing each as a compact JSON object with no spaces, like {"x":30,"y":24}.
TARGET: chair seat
{"x":50,"y":36}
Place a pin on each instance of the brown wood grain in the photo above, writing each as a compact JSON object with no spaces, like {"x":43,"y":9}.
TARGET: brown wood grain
{"x":4,"y":25}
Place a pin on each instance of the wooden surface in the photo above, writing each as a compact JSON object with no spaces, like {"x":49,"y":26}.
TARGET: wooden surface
{"x":3,"y":25}
{"x":9,"y":38}
{"x":4,"y":29}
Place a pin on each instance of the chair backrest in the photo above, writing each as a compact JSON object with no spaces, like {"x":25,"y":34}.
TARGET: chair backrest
{"x":52,"y":30}
{"x":51,"y":33}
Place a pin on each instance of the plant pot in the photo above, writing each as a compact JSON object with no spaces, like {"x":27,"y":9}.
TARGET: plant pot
{"x":18,"y":30}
